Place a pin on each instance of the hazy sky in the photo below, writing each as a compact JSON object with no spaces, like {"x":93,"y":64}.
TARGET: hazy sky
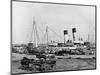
{"x":56,"y":17}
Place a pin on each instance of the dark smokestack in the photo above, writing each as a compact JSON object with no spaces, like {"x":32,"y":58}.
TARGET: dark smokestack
{"x":65,"y":32}
{"x":66,"y":37}
{"x":73,"y":32}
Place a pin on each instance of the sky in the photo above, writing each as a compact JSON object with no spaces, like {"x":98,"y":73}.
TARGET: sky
{"x":57,"y":17}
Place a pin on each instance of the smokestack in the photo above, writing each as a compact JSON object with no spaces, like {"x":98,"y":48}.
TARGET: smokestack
{"x":74,"y":33}
{"x":66,"y":37}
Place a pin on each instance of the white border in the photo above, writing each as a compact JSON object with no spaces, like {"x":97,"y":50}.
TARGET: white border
{"x":5,"y":37}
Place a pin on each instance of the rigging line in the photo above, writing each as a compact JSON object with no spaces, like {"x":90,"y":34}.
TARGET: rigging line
{"x":37,"y":34}
{"x":34,"y":34}
{"x":47,"y":33}
{"x":31,"y":33}
{"x":43,"y":39}
{"x":55,"y":33}
{"x":41,"y":33}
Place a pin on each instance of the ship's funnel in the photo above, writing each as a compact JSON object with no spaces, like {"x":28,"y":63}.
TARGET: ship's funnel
{"x":66,"y":37}
{"x":74,"y":33}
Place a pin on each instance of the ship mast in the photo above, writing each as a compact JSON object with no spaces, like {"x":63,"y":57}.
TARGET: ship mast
{"x":88,"y":37}
{"x":35,"y":42}
{"x":47,"y":34}
{"x":34,"y":31}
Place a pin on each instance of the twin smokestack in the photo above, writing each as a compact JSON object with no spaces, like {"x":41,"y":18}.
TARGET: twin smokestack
{"x":66,"y":37}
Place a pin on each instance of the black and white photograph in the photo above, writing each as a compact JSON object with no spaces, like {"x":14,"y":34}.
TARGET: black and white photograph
{"x":52,"y":37}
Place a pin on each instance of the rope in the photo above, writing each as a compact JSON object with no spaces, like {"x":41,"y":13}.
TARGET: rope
{"x":55,"y":33}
